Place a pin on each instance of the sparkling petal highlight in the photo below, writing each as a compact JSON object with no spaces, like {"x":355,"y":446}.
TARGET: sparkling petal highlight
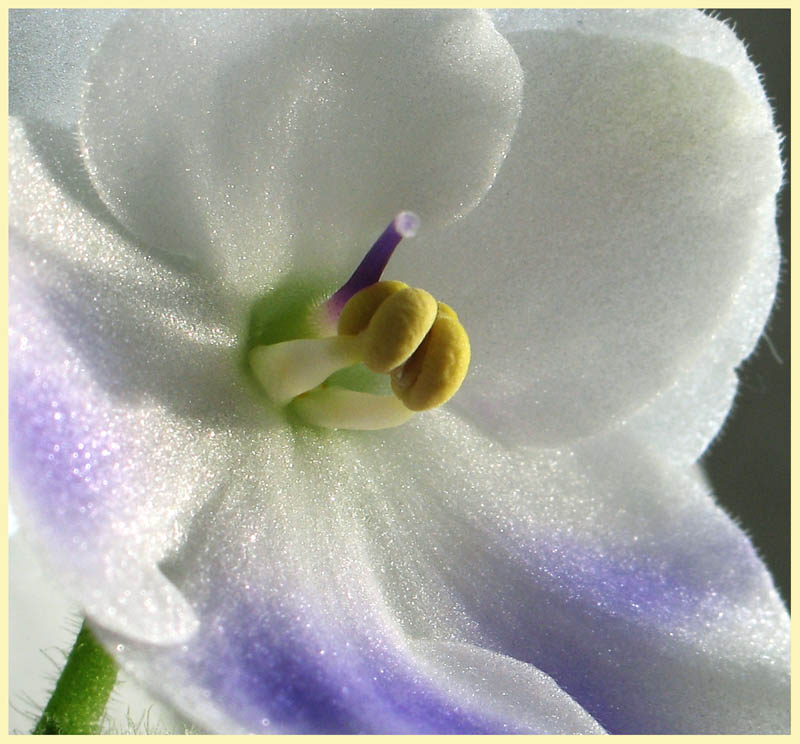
{"x":612,"y":261}
{"x":203,"y":131}
{"x":639,"y":197}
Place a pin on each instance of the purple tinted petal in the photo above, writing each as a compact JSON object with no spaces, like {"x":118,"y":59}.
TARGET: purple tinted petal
{"x":635,"y":647}
{"x":102,"y":479}
{"x":76,"y":460}
{"x":273,"y":673}
{"x":627,"y":585}
{"x":299,"y":622}
{"x":607,"y":571}
{"x":267,"y":670}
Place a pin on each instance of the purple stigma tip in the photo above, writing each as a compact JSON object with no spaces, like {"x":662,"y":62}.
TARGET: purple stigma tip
{"x":407,"y":224}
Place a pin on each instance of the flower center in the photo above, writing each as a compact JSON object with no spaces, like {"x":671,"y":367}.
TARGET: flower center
{"x":386,"y":327}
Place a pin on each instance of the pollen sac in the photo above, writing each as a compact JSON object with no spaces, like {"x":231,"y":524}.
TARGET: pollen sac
{"x":358,"y":312}
{"x":438,"y":367}
{"x":397,"y":328}
{"x":405,"y":332}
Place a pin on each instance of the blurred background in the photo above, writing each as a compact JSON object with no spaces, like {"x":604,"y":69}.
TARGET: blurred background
{"x":748,"y":464}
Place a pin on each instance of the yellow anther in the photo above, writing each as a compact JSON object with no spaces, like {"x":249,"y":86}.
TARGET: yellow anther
{"x":445,"y":309}
{"x":397,"y":328}
{"x":390,"y":327}
{"x":437,"y":368}
{"x":357,"y":313}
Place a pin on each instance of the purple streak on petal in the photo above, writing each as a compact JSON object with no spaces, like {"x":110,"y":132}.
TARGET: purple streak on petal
{"x":369,"y":271}
{"x":259,"y":664}
{"x":50,"y":457}
{"x":63,"y":449}
{"x":75,"y":457}
{"x":609,"y":628}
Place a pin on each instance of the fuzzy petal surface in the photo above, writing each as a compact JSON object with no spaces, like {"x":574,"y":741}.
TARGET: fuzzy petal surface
{"x":224,"y":136}
{"x":100,"y":338}
{"x":636,"y":203}
{"x":358,"y":595}
{"x":262,"y":576}
{"x":47,"y":60}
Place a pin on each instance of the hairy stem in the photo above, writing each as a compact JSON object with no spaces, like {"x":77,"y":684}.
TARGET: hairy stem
{"x":82,"y":690}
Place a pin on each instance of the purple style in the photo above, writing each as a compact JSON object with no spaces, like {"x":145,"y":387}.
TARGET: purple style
{"x":369,"y":271}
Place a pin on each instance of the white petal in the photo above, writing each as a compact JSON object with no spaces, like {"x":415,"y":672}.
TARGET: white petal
{"x":48,"y":52}
{"x":681,"y":421}
{"x":120,"y":370}
{"x":691,"y":32}
{"x":144,"y":326}
{"x":332,"y":577}
{"x":224,"y":136}
{"x":636,"y":201}
{"x":299,"y":616}
{"x":521,"y":696}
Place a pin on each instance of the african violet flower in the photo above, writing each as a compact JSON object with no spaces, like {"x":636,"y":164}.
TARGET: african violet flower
{"x":596,"y":195}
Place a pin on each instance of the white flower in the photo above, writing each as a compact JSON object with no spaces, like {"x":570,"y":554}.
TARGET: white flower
{"x":540,"y":554}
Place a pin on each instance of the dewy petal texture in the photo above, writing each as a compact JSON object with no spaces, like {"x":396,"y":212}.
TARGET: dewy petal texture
{"x":591,"y":564}
{"x":680,"y":422}
{"x":46,"y":63}
{"x":636,"y":201}
{"x":427,"y":579}
{"x":81,"y":459}
{"x":100,"y":338}
{"x":613,"y":576}
{"x":222,"y":136}
{"x":302,"y":614}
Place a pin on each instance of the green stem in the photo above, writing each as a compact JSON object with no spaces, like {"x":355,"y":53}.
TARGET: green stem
{"x":82,"y":691}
